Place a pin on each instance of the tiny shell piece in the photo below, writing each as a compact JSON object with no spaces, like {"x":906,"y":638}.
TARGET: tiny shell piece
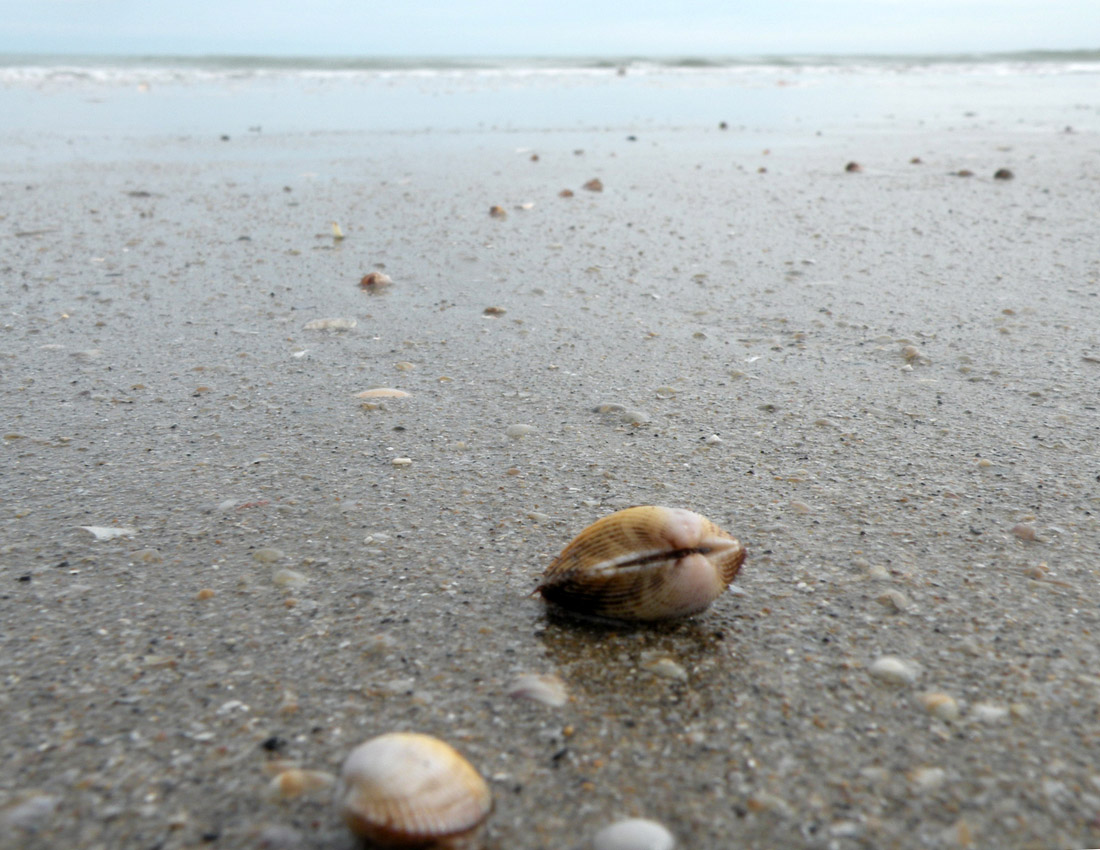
{"x":296,"y":782}
{"x":382,"y":392}
{"x":893,"y":670}
{"x":940,"y":705}
{"x":539,"y":687}
{"x":634,"y":834}
{"x":330,"y":324}
{"x":644,"y":563}
{"x":409,"y":790}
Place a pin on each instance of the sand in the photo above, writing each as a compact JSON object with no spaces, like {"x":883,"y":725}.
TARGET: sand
{"x":883,"y":382}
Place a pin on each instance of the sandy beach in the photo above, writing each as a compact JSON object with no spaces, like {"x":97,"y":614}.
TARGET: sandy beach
{"x":882,"y":381}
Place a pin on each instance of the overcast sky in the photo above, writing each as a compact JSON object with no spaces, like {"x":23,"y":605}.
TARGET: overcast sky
{"x":545,"y":27}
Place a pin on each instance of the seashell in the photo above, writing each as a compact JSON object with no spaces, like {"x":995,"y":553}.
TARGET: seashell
{"x":644,"y":563}
{"x":409,"y":790}
{"x":539,"y":687}
{"x":375,"y":281}
{"x":382,"y":392}
{"x":634,"y":834}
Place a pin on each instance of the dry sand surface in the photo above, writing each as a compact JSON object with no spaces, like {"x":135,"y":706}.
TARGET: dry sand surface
{"x":884,"y":382}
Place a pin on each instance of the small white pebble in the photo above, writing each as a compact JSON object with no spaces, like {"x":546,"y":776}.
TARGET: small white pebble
{"x":267,"y":555}
{"x":402,"y":461}
{"x":713,"y":439}
{"x":291,"y":579}
{"x":665,"y":667}
{"x":987,"y":712}
{"x":894,"y":670}
{"x":895,"y":600}
{"x":927,"y":778}
{"x":634,"y":834}
{"x":517,"y":431}
{"x":330,"y":324}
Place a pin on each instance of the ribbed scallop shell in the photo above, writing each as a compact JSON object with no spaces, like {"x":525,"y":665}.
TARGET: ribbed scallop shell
{"x":409,"y":790}
{"x":644,"y":563}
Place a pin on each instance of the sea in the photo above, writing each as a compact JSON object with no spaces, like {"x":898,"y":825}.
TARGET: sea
{"x":76,"y":96}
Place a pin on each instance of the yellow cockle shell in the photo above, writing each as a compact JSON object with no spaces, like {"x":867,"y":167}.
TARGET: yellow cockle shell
{"x":644,"y":563}
{"x":405,"y":789}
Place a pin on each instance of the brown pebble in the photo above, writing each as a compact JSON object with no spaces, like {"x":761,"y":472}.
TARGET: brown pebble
{"x":1025,"y":532}
{"x":494,"y":311}
{"x":964,"y":172}
{"x":497,"y":211}
{"x":722,"y":125}
{"x":916,"y":161}
{"x":534,"y":157}
{"x":205,"y":593}
{"x":853,"y":167}
{"x":565,"y":193}
{"x":1003,"y":174}
{"x":594,"y":185}
{"x":761,"y":170}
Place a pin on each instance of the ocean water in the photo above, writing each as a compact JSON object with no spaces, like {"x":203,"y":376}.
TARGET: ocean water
{"x":86,"y":96}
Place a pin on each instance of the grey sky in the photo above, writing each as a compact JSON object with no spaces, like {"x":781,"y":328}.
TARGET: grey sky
{"x":565,"y":27}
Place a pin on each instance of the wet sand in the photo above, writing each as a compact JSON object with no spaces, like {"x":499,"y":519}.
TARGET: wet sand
{"x":900,"y":366}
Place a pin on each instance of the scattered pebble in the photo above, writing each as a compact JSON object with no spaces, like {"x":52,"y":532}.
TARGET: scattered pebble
{"x":853,"y":167}
{"x":30,"y":812}
{"x":665,"y":392}
{"x":712,"y":440}
{"x":634,"y":417}
{"x":494,"y":311}
{"x":1025,"y":532}
{"x":634,"y":834}
{"x":987,"y":712}
{"x":204,"y":594}
{"x":518,"y":431}
{"x":1003,"y":174}
{"x":926,"y":779}
{"x":665,"y":667}
{"x":545,"y":688}
{"x":267,"y":555}
{"x":894,"y":670}
{"x":964,"y":172}
{"x":402,"y":461}
{"x":290,"y":579}
{"x":404,"y":366}
{"x":940,"y":705}
{"x":334,"y":325}
{"x":594,"y":185}
{"x":103,"y":532}
{"x":893,"y":599}
{"x":497,"y":211}
{"x":565,"y":193}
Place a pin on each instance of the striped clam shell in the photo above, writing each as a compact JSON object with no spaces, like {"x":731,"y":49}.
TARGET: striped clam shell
{"x":644,"y":563}
{"x":405,"y":789}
